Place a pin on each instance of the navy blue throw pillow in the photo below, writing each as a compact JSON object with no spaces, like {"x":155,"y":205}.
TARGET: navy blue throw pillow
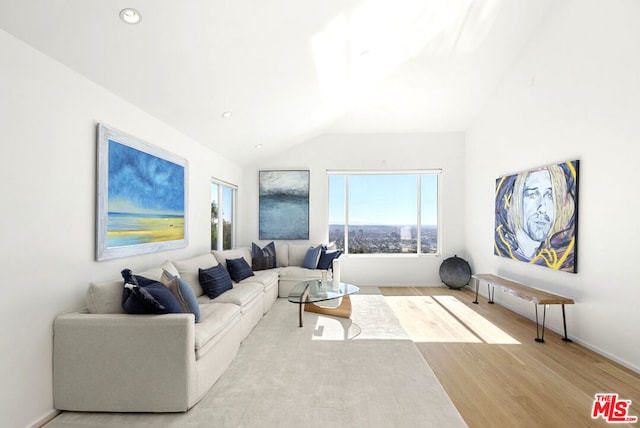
{"x":161,"y":293}
{"x":239,"y":269}
{"x":263,"y":258}
{"x":164,"y":296}
{"x":137,"y":300}
{"x":214,"y":280}
{"x":327,"y":257}
{"x":145,"y":296}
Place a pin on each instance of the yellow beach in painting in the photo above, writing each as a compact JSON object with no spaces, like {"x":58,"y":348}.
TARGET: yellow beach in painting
{"x":133,"y":229}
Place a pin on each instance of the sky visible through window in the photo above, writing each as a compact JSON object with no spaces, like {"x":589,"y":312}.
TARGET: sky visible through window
{"x":384,"y":199}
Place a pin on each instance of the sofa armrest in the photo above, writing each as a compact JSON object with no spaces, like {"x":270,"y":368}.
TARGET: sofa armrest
{"x":123,"y":363}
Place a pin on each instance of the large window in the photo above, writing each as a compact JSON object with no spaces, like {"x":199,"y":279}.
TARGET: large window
{"x":223,"y":201}
{"x":384,"y":212}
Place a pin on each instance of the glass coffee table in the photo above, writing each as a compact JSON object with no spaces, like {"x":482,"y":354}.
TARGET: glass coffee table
{"x":308,"y":293}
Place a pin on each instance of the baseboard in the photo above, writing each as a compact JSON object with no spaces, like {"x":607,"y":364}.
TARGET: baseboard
{"x":44,"y":420}
{"x":558,"y":330}
{"x":605,"y":354}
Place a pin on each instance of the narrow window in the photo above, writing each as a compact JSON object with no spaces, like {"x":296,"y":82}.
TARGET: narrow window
{"x":223,"y":202}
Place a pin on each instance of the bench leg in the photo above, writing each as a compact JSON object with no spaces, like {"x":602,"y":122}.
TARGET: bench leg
{"x":539,"y":337}
{"x":491,"y":291}
{"x":477,"y":284}
{"x":564,"y":322}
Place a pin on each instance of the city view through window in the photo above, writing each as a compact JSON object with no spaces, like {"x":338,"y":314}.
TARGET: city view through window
{"x":384,"y":213}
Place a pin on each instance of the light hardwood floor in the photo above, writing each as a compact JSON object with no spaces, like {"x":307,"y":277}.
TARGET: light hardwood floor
{"x":523,"y":384}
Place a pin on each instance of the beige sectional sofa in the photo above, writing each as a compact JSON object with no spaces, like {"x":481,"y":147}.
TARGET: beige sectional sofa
{"x":109,"y":361}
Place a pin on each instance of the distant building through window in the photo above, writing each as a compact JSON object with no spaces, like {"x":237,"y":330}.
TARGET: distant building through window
{"x":384,"y":212}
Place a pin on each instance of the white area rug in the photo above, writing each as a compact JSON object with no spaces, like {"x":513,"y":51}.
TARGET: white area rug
{"x":332,"y":372}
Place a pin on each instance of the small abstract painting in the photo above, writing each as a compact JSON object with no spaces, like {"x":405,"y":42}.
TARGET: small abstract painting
{"x":142,"y":197}
{"x":537,"y":216}
{"x":284,"y":204}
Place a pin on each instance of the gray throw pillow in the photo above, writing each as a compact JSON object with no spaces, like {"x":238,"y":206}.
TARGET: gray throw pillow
{"x":263,"y":258}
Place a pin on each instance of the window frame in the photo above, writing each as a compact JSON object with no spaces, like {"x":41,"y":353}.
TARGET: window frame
{"x":418,"y":173}
{"x":219,"y":245}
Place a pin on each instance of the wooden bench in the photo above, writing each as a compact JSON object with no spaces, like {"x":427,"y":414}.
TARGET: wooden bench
{"x":538,"y":297}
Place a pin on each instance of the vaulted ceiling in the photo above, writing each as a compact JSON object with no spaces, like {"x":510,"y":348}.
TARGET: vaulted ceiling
{"x":287,"y":70}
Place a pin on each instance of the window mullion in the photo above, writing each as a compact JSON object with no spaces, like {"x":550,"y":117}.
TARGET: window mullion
{"x":419,"y":220}
{"x":346,"y":214}
{"x":234,"y":218}
{"x":220,"y":239}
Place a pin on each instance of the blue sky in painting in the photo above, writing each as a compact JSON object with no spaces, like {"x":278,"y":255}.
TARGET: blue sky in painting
{"x":289,"y":182}
{"x":142,"y":183}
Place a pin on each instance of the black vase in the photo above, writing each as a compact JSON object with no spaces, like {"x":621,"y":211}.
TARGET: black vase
{"x":455,"y":272}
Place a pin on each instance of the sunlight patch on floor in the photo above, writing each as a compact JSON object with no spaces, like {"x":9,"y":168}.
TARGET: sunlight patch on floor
{"x":334,"y":328}
{"x":444,"y":319}
{"x":427,"y":321}
{"x":482,"y":327}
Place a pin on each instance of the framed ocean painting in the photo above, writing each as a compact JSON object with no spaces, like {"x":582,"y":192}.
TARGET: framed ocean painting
{"x":141,"y":197}
{"x":283,"y":204}
{"x":536,"y":216}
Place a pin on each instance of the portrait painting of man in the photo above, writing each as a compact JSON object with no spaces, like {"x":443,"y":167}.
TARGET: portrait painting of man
{"x":537,"y":216}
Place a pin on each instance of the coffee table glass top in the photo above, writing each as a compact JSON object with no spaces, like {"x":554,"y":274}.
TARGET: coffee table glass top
{"x":314,"y":291}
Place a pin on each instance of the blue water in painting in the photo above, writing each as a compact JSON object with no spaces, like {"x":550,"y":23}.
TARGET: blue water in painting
{"x":284,"y":217}
{"x":131,"y":229}
{"x":127,"y":221}
{"x":116,"y":214}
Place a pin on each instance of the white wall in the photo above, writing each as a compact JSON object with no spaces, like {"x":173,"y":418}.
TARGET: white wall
{"x":48,"y":117}
{"x":573,"y":94}
{"x":371,"y":152}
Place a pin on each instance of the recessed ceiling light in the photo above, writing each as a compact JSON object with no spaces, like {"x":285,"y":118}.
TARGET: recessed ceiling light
{"x":130,"y":16}
{"x":227,"y":114}
{"x":258,"y":146}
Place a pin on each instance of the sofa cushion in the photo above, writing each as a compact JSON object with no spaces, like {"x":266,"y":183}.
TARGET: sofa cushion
{"x":326,"y":258}
{"x":263,"y":258}
{"x":156,"y":273}
{"x":282,"y":254}
{"x":311,"y":257}
{"x":240,"y":294}
{"x":105,"y":297}
{"x":297,"y":272}
{"x":297,"y":253}
{"x":223,"y":256}
{"x":188,"y":270}
{"x":266,"y":277}
{"x":214,"y":280}
{"x":169,"y":267}
{"x":214,"y":318}
{"x":239,"y":269}
{"x":184,"y":294}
